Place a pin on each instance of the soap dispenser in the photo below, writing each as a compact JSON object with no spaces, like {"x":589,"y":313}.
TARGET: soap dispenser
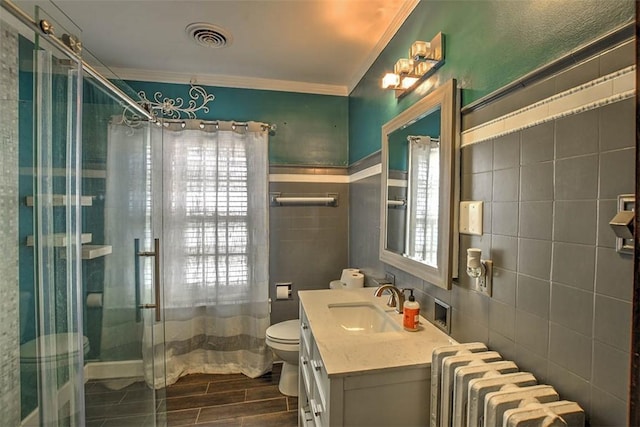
{"x":411,"y":313}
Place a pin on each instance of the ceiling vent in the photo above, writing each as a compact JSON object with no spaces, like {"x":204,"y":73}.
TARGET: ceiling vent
{"x":208,"y":35}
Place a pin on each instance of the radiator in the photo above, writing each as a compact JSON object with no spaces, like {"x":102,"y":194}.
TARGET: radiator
{"x":474,"y":387}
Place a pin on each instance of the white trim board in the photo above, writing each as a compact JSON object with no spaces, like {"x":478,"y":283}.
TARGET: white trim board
{"x":602,"y":91}
{"x":326,"y":178}
{"x":397,"y":183}
{"x":294,"y":177}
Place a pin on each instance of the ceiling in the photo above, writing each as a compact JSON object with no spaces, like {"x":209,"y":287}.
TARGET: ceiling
{"x":313,"y":46}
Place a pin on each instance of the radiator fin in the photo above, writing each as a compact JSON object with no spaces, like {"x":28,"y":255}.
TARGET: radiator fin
{"x":553,"y":414}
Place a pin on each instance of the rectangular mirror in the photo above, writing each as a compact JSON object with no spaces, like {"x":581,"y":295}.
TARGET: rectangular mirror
{"x":419,"y":188}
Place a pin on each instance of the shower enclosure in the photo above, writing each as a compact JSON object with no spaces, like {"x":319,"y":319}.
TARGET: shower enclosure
{"x":67,"y":215}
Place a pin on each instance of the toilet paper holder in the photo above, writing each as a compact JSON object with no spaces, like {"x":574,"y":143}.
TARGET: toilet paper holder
{"x":283,"y":290}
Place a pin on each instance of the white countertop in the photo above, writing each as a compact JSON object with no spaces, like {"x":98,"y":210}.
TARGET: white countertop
{"x":344,"y":352}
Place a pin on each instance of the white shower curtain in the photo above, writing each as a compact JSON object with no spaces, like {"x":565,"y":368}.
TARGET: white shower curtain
{"x":214,"y":251}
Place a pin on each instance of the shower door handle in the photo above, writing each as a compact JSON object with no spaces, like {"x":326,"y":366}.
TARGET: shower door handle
{"x":156,"y":278}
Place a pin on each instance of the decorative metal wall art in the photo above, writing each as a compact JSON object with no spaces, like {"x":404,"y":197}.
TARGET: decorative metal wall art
{"x":164,"y":107}
{"x":175,"y":108}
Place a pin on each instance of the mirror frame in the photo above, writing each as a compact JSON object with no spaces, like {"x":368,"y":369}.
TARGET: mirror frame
{"x":446,"y":98}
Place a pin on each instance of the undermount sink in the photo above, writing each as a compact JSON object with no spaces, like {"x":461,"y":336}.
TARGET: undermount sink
{"x":362,"y":318}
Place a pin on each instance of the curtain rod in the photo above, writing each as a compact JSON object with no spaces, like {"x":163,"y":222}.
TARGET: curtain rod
{"x":265,"y":126}
{"x":23,"y":17}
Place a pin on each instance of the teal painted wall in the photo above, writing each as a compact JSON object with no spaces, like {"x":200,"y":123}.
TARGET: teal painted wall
{"x":312,"y":129}
{"x":488,"y":44}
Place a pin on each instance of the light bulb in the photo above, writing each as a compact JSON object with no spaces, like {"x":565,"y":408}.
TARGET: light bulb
{"x":390,"y":81}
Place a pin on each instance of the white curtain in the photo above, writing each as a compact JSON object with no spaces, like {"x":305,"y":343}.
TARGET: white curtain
{"x":215,"y":246}
{"x":208,"y":194}
{"x":424,"y":178}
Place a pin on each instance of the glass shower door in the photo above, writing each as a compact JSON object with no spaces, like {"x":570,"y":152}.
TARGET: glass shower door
{"x":56,"y":354}
{"x":132,"y":328}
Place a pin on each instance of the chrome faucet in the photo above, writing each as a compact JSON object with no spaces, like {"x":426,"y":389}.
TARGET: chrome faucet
{"x":397,"y":296}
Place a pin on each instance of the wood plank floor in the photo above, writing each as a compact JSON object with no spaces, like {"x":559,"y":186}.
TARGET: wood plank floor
{"x":202,"y":400}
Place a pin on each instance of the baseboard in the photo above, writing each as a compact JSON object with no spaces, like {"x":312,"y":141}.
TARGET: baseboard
{"x":106,"y":370}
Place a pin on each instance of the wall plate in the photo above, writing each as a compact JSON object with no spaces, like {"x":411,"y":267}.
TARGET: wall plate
{"x":471,"y":218}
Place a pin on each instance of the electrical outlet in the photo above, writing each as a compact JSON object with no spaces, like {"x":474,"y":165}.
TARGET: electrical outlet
{"x":485,"y":283}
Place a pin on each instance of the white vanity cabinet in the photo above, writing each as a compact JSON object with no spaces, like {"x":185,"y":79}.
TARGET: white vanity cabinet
{"x":390,"y":396}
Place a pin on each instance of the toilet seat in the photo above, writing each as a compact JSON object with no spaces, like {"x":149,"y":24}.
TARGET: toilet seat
{"x":65,"y":346}
{"x":287,"y":332}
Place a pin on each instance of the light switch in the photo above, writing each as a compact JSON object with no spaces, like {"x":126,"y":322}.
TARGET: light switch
{"x":471,"y":218}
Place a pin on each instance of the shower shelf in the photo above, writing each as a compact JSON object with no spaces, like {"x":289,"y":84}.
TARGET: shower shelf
{"x":95,"y":251}
{"x":92,"y":251}
{"x":60,"y":240}
{"x":61,"y":200}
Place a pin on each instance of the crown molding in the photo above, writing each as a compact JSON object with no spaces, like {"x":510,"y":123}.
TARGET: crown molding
{"x":392,"y":29}
{"x":227,"y":81}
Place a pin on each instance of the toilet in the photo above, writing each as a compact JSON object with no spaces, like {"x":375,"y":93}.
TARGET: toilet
{"x":284,"y":339}
{"x":59,"y":360}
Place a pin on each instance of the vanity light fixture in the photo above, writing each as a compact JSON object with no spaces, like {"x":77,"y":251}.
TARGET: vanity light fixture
{"x":423,"y":61}
{"x":481,"y":270}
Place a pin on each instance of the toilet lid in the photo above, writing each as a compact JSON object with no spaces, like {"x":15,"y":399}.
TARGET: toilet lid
{"x":285,"y":332}
{"x":62,"y":344}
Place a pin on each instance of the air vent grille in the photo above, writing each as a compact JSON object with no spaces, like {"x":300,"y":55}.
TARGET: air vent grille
{"x":209,"y":35}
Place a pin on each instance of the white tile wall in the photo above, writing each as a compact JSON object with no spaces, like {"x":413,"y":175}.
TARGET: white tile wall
{"x":9,"y":328}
